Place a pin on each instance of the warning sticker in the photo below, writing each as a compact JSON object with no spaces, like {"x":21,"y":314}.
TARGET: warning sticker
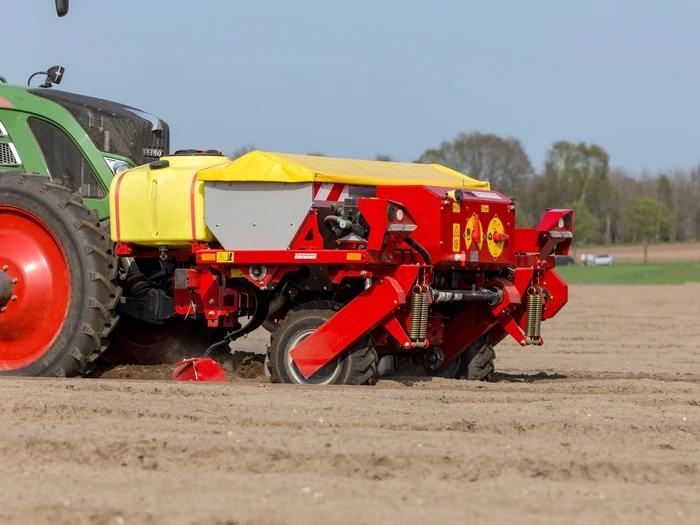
{"x":455,"y":237}
{"x":456,"y":207}
{"x":488,"y":195}
{"x":495,"y":231}
{"x":484,"y":208}
{"x":474,"y":232}
{"x":235,"y":272}
{"x":224,"y":257}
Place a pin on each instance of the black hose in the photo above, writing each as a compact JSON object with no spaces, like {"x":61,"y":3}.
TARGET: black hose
{"x":417,"y":246}
{"x":331,"y":221}
{"x":275,"y":306}
{"x":255,"y":321}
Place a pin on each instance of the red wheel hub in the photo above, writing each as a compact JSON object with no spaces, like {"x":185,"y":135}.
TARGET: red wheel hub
{"x":35,"y":288}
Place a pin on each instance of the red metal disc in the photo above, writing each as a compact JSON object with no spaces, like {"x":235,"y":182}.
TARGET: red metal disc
{"x":33,"y":256}
{"x":199,"y":369}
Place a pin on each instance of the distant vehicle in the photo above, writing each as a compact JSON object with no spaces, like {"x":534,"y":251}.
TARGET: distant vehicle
{"x":603,"y":260}
{"x":564,"y":260}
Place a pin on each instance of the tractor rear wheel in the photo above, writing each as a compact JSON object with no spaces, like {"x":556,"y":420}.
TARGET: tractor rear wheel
{"x":476,"y":362}
{"x":356,"y":366}
{"x":57,"y":279}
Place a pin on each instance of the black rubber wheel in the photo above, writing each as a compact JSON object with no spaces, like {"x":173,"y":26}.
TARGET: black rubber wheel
{"x":451,"y":371}
{"x":87,"y":272}
{"x":356,"y":366}
{"x":477,"y":361}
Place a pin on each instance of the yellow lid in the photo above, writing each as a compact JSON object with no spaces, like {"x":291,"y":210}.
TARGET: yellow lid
{"x":284,"y":167}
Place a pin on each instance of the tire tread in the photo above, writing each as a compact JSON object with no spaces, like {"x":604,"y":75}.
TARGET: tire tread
{"x":100,"y":270}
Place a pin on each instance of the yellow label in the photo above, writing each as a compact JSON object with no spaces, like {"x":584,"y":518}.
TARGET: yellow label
{"x":235,"y":272}
{"x":495,"y":247}
{"x":208,"y":256}
{"x":472,"y":223}
{"x":224,"y":257}
{"x":456,"y":207}
{"x":455,"y":237}
{"x":354,"y":256}
{"x":484,"y":208}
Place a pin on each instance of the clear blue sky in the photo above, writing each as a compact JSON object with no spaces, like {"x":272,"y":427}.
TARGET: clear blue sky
{"x":359,"y":78}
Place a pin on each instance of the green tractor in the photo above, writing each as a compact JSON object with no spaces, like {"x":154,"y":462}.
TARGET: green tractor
{"x":62,"y":289}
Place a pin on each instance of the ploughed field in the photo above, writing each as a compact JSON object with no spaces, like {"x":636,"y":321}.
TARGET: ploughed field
{"x":657,"y":253}
{"x":600,"y":425}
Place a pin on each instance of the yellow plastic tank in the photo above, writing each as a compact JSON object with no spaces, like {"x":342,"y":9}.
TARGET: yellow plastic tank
{"x":161,"y":206}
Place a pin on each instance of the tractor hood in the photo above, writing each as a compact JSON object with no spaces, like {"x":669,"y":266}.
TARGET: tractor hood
{"x":113,"y":127}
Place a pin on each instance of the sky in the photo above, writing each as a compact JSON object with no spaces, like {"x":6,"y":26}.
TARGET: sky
{"x":393,"y":77}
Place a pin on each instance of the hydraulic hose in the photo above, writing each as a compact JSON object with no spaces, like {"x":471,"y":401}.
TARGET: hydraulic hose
{"x":275,"y":306}
{"x":255,"y":321}
{"x":331,"y":221}
{"x":417,"y":246}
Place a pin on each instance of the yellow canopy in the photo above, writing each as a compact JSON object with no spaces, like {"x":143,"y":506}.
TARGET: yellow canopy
{"x":284,"y":167}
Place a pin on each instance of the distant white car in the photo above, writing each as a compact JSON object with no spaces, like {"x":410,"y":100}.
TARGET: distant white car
{"x":603,"y":260}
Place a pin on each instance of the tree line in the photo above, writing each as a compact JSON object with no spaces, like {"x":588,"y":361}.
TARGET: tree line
{"x":610,"y":206}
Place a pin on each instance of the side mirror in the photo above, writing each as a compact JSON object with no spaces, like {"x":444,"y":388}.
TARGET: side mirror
{"x":55,"y":74}
{"x":61,"y":9}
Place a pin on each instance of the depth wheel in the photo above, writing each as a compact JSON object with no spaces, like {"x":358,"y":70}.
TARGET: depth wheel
{"x":477,"y":361}
{"x":452,"y":370}
{"x":356,"y":366}
{"x":57,"y":274}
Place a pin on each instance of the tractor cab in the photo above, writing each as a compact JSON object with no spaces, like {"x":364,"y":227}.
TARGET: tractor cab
{"x":80,"y":141}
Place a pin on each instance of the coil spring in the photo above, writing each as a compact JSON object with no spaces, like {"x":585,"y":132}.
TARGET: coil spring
{"x":416,"y":303}
{"x":534,"y":316}
{"x":424,"y":306}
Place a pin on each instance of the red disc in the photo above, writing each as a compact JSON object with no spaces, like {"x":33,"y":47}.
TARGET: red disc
{"x":37,"y":266}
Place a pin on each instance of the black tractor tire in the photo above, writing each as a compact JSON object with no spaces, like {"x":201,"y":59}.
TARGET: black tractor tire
{"x":477,"y":361}
{"x":92,"y":267}
{"x":355,"y":366}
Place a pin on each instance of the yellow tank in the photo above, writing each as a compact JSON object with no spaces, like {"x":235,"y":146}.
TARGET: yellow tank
{"x":165,"y":206}
{"x":155,"y":207}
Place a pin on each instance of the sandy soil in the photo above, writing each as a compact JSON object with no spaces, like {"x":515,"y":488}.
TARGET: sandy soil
{"x":658,"y":253}
{"x":600,"y":425}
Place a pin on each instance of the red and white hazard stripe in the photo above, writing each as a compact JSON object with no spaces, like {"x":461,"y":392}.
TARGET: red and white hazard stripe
{"x":330,"y":192}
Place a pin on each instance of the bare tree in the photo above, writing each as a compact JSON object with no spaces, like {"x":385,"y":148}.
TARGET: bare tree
{"x":500,"y":161}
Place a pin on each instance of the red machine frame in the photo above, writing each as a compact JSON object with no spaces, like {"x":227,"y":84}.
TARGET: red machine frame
{"x":518,"y":263}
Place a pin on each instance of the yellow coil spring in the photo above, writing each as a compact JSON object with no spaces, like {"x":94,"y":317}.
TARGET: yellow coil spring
{"x":534,"y":316}
{"x":424,"y":306}
{"x":416,"y":307}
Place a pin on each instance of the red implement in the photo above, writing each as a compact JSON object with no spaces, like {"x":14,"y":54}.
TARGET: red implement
{"x":198,"y":369}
